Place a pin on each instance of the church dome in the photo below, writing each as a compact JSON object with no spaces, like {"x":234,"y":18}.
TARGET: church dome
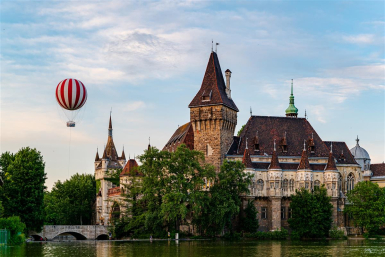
{"x":358,"y":152}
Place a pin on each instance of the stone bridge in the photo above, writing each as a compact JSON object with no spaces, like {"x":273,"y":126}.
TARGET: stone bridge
{"x":80,"y":232}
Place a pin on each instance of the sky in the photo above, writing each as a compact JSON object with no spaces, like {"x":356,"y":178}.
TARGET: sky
{"x":145,"y":60}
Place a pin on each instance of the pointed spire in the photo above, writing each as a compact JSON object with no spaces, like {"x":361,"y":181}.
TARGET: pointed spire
{"x":357,"y":140}
{"x":331,"y":165}
{"x":149,"y":143}
{"x":251,"y":111}
{"x":274,"y":163}
{"x":304,"y":163}
{"x":110,"y":127}
{"x":104,"y":154}
{"x":246,"y":160}
{"x":97,"y":155}
{"x":291,"y":111}
{"x":123,"y":155}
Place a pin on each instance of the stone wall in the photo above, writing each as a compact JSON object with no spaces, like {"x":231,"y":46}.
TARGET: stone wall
{"x":213,"y":131}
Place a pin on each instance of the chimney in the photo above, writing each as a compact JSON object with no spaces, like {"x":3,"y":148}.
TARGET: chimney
{"x":228,"y":76}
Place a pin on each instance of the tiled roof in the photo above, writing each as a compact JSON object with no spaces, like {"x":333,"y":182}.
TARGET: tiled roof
{"x":213,"y":87}
{"x":246,"y":160}
{"x":288,"y":166}
{"x":131,"y":169}
{"x":331,"y":165}
{"x":274,"y":164}
{"x":341,"y":152}
{"x":183,"y":135}
{"x":269,"y":128}
{"x":97,"y":156}
{"x":378,"y":169}
{"x":304,"y":163}
{"x":123,"y":157}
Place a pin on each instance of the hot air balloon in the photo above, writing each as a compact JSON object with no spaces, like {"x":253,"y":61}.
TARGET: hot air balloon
{"x":71,"y":94}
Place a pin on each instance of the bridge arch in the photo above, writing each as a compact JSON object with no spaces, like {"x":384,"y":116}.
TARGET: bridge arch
{"x":77,"y":235}
{"x":102,"y":237}
{"x":37,"y":237}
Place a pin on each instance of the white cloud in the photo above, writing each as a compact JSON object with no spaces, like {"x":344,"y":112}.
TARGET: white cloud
{"x":360,"y":39}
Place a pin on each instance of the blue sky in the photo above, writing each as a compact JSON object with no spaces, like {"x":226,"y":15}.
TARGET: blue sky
{"x":146,"y":61}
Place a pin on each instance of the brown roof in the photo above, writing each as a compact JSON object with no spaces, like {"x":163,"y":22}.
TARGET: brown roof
{"x":97,"y":156}
{"x":274,"y":164}
{"x":341,"y":152}
{"x":378,"y":169}
{"x":288,"y":166}
{"x":183,"y":135}
{"x":270,"y":128}
{"x":331,"y":165}
{"x":131,"y":169}
{"x":246,"y":160}
{"x":304,"y":163}
{"x":213,"y":86}
{"x":123,"y":157}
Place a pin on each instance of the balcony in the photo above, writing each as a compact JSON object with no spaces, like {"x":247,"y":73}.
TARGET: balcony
{"x":113,"y":191}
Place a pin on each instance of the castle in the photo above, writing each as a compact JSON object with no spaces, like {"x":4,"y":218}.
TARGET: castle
{"x":283,"y":154}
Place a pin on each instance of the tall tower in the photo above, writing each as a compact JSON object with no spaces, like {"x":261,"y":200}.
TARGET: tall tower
{"x":291,"y":111}
{"x":109,"y":162}
{"x":213,"y":114}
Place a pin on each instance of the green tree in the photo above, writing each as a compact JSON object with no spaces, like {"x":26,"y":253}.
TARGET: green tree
{"x":311,"y":213}
{"x":22,"y":192}
{"x":240,"y":131}
{"x":225,"y":197}
{"x":367,"y":206}
{"x":71,"y":202}
{"x":16,"y":228}
{"x":249,"y":221}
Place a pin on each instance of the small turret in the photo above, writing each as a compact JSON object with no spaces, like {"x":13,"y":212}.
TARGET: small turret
{"x":331,"y":165}
{"x":304,"y":163}
{"x":274,"y":163}
{"x":97,"y":156}
{"x":228,"y":76}
{"x":246,"y":160}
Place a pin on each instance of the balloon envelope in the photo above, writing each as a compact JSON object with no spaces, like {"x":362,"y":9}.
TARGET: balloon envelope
{"x":71,"y":94}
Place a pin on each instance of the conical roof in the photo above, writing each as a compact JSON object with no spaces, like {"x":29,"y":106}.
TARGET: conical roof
{"x":97,"y":156}
{"x":213,"y":88}
{"x":274,"y":164}
{"x":331,"y":165}
{"x":246,"y":160}
{"x":304,"y":163}
{"x":291,"y":110}
{"x":123,"y":157}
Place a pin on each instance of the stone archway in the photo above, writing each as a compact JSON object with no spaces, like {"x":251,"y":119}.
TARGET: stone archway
{"x":37,"y":238}
{"x":115,"y":212}
{"x":77,"y":235}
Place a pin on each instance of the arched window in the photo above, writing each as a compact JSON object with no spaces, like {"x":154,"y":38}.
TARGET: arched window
{"x":316,"y":184}
{"x":339,"y":183}
{"x":291,"y":185}
{"x":260,"y":185}
{"x":350,"y":181}
{"x":285,"y":184}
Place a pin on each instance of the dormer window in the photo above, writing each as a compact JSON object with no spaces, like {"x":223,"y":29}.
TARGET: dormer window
{"x":312,"y":148}
{"x":284,"y":148}
{"x":206,"y":97}
{"x":256,"y":147}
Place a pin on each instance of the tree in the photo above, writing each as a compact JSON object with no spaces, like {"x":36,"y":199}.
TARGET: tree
{"x":240,"y":131}
{"x":311,"y":213}
{"x":367,"y":206}
{"x":15,"y":227}
{"x":250,"y":222}
{"x":71,"y":202}
{"x":22,"y":192}
{"x":225,"y":201}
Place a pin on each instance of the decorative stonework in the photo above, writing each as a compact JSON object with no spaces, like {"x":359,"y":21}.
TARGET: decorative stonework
{"x":275,"y":175}
{"x":331,"y":176}
{"x":304,"y":176}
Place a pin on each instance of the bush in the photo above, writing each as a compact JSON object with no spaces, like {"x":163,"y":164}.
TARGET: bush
{"x":295,"y":235}
{"x":336,"y":233}
{"x":232,"y":236}
{"x":16,"y":228}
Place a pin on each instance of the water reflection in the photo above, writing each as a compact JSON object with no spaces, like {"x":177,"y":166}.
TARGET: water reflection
{"x":198,"y":248}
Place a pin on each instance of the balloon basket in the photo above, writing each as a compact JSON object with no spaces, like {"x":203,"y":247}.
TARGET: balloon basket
{"x":70,"y":124}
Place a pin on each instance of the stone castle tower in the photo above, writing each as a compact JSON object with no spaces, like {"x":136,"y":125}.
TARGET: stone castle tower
{"x":213,"y":114}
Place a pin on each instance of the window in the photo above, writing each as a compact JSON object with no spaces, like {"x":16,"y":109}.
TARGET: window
{"x":284,"y":148}
{"x":291,"y":184}
{"x":271,"y":185}
{"x":307,"y":185}
{"x":263,"y":213}
{"x":283,"y":212}
{"x":276,"y":184}
{"x":256,"y":147}
{"x":316,"y":184}
{"x":350,"y":181}
{"x":290,"y":214}
{"x":285,"y":184}
{"x":312,"y":148}
{"x":260,"y":184}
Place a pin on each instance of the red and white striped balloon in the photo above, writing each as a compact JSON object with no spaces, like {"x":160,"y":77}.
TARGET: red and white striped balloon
{"x":71,"y":94}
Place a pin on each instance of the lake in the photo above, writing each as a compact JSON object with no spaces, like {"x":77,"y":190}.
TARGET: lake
{"x":197,"y":248}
